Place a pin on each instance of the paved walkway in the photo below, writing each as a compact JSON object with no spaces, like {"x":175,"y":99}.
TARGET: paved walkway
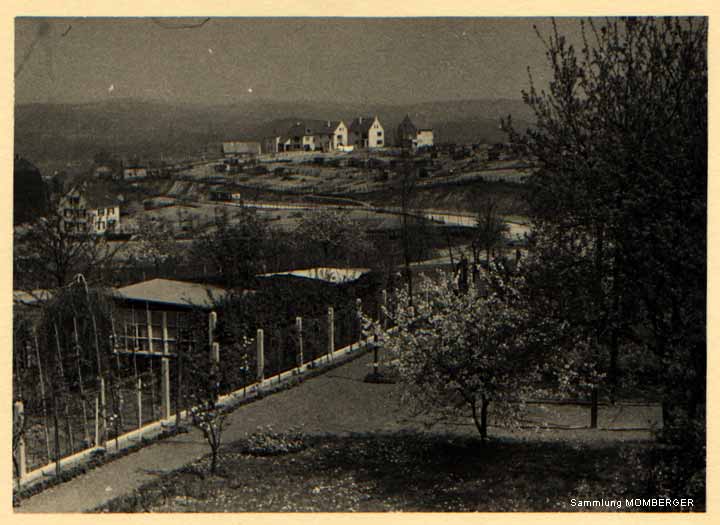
{"x":336,"y":402}
{"x":304,"y":406}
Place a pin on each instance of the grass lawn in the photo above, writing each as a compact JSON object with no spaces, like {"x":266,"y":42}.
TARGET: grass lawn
{"x":340,"y":444}
{"x":395,"y":471}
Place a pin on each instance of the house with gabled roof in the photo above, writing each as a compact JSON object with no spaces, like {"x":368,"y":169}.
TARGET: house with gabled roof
{"x":318,"y":135}
{"x":366,"y":133}
{"x":85,"y":212}
{"x":413,"y":137}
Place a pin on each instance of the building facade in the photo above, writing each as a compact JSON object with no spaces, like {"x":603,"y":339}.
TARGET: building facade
{"x":366,"y":133}
{"x":104,"y":219}
{"x":236,"y":148}
{"x":311,"y":135}
{"x":410,"y":136}
{"x":82,"y":215}
{"x":135,"y":173}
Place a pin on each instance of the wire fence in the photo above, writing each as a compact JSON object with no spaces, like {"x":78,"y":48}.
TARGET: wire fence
{"x":68,"y":410}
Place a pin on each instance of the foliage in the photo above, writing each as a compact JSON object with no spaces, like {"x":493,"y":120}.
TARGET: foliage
{"x":490,"y":230}
{"x":206,"y":414}
{"x":267,"y":442}
{"x":453,"y":351}
{"x":621,"y":138}
{"x":334,"y":232}
{"x":619,"y":204}
{"x":154,"y":238}
{"x":235,"y":246}
{"x":48,"y":255}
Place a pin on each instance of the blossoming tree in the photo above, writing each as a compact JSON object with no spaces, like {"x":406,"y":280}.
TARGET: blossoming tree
{"x":457,"y":353}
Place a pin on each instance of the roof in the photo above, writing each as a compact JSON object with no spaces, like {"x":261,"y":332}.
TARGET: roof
{"x":172,"y":293}
{"x":96,"y":197}
{"x":31,"y":297}
{"x":236,"y":146}
{"x":418,"y":121}
{"x":313,"y":127}
{"x":361,"y":124}
{"x":331,"y":275}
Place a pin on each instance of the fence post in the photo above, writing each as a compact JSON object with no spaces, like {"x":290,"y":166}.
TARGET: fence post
{"x":383,"y":312}
{"x":149,"y":329}
{"x":358,"y":310}
{"x":215,"y":355}
{"x":178,"y":384}
{"x":97,"y":421}
{"x":56,"y":424}
{"x":165,"y":370}
{"x":331,"y":332}
{"x":212,"y":324}
{"x":103,"y":412}
{"x":260,"y":356}
{"x":298,"y":326}
{"x":138,"y":393}
{"x":19,"y":418}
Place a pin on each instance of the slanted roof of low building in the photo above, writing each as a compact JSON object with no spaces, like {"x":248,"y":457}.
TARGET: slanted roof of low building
{"x":169,"y":292}
{"x":328,"y":274}
{"x":31,"y":297}
{"x":238,"y":146}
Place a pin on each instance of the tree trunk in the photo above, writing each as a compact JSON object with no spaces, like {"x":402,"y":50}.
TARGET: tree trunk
{"x":480,"y":423}
{"x":213,"y":463}
{"x":484,"y":418}
{"x":594,"y":408}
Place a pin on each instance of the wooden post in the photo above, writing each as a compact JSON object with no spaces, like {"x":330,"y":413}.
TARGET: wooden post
{"x":103,"y":412}
{"x":594,"y":408}
{"x":331,"y":332}
{"x":57,"y":436}
{"x":383,"y":313}
{"x":260,"y":356}
{"x":19,"y":417}
{"x":68,"y":428}
{"x":178,"y":383}
{"x":80,"y":379}
{"x":215,"y":355}
{"x":358,"y":310}
{"x":212,"y":324}
{"x":165,"y":370}
{"x":138,"y":393}
{"x":375,"y":358}
{"x":298,"y":326}
{"x":149,"y":328}
{"x":42,"y":394}
{"x":97,"y":421}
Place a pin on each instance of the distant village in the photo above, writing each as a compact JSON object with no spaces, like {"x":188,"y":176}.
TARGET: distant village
{"x":85,"y":210}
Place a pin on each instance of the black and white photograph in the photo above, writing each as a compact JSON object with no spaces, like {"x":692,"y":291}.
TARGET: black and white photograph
{"x":367,"y":264}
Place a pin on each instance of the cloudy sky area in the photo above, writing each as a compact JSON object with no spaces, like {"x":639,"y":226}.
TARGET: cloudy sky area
{"x":228,"y":60}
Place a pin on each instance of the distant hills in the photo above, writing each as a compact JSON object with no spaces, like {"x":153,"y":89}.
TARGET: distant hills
{"x":148,"y":129}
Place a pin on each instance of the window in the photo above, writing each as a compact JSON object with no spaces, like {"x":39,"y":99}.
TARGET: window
{"x":379,"y":142}
{"x":379,"y":134}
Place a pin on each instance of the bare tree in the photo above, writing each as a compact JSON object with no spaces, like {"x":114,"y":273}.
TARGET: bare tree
{"x":490,"y":230}
{"x":48,"y":253}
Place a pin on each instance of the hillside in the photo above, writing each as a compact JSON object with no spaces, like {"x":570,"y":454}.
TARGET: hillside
{"x":74,"y":132}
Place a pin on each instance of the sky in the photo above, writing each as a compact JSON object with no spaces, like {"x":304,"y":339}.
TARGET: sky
{"x":228,"y":60}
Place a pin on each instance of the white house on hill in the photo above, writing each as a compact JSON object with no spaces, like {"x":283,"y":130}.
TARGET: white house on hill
{"x":366,"y":133}
{"x":310,"y":135}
